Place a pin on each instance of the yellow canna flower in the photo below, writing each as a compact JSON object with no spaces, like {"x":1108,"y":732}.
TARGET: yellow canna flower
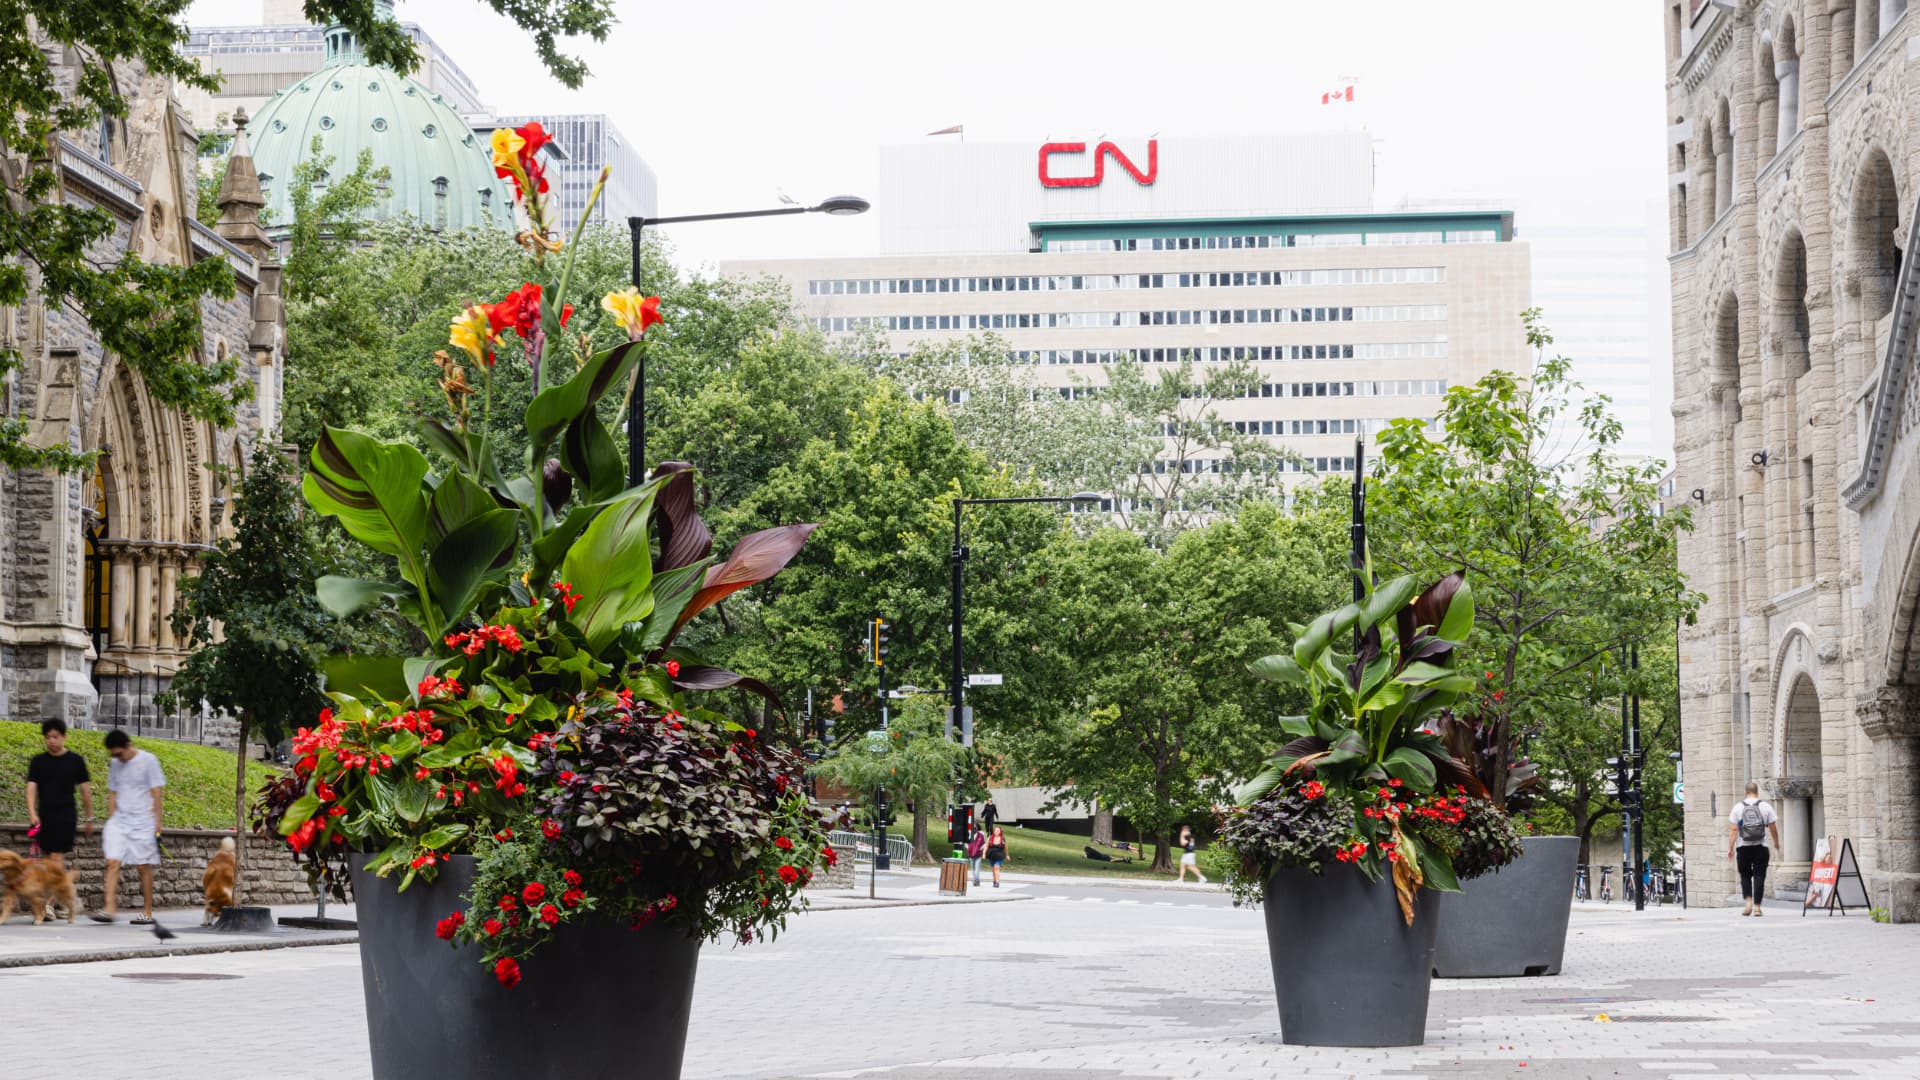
{"x":634,"y":312}
{"x":506,"y":148}
{"x":473,"y":331}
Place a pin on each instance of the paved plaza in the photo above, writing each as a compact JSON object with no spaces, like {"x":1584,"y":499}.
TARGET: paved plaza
{"x":1076,"y":980}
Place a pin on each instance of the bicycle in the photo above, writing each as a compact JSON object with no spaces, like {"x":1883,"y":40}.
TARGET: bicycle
{"x":1606,"y":884}
{"x":1580,"y":891}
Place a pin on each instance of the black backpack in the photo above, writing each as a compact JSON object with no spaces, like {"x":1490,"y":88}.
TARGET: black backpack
{"x":1753,"y":824}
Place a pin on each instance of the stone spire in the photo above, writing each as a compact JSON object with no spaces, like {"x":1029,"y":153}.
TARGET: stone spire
{"x":240,"y":199}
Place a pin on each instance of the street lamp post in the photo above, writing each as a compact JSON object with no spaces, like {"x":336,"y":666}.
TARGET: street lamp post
{"x":838,"y":206}
{"x":958,"y":687}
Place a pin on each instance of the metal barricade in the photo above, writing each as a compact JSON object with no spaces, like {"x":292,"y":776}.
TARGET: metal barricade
{"x":899,"y":848}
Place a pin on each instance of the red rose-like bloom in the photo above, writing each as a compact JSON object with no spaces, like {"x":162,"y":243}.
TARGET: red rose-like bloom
{"x":550,"y":829}
{"x":572,"y":877}
{"x":832,"y":856}
{"x":550,"y":915}
{"x":507,"y":971}
{"x":783,"y":843}
{"x":534,"y":893}
{"x":673,"y":669}
{"x":445,"y":928}
{"x":789,"y":875}
{"x":492,"y":927}
{"x":506,"y":902}
{"x":572,"y":897}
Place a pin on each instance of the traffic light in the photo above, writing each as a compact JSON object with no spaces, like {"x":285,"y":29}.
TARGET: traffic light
{"x":882,"y":808}
{"x":960,"y":825}
{"x":877,"y":642}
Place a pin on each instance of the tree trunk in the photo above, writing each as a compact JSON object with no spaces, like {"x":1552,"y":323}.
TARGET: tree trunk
{"x":1102,"y":825}
{"x":1163,"y":850}
{"x":239,"y":808}
{"x":920,"y":851}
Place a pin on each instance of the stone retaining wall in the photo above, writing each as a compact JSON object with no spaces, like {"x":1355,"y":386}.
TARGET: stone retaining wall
{"x":837,"y":877}
{"x":271,"y":875}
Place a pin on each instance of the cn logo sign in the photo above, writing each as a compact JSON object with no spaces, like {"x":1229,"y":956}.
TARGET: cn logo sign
{"x":1100,"y":155}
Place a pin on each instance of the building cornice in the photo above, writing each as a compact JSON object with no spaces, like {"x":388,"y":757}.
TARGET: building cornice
{"x":1699,"y":63}
{"x":1895,"y":370}
{"x":101,"y":180}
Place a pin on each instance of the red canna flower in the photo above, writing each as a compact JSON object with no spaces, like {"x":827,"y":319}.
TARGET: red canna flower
{"x":507,"y":971}
{"x":673,"y":669}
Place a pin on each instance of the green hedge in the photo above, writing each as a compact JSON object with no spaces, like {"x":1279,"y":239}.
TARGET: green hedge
{"x":199,"y":778}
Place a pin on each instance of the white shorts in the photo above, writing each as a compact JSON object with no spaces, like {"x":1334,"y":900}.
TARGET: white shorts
{"x":130,"y":843}
{"x":1190,"y":859}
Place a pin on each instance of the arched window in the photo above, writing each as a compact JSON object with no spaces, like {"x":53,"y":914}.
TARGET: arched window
{"x":97,"y":599}
{"x":1874,"y":255}
{"x":440,"y":202}
{"x":1722,"y":159}
{"x":1788,"y":450}
{"x":1679,"y":163}
{"x":106,"y":139}
{"x":1792,"y":335}
{"x":1768,"y":139}
{"x":1726,"y":362}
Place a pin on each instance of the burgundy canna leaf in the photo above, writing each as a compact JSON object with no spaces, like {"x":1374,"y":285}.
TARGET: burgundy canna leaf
{"x":1430,"y":607}
{"x":706,"y":677}
{"x":684,"y":538}
{"x":757,"y":557}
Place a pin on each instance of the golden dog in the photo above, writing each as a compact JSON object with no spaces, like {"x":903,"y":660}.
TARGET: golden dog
{"x":218,"y":881}
{"x":36,"y":881}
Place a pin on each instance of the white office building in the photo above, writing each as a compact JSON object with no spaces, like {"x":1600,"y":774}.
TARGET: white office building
{"x":1263,"y":249}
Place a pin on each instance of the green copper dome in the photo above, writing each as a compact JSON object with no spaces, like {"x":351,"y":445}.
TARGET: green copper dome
{"x":442,"y":173}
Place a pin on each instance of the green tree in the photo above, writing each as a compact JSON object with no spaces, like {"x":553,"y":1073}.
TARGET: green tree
{"x":1164,"y":714}
{"x":149,"y":315}
{"x":255,"y":631}
{"x":1569,"y":549}
{"x":912,"y":758}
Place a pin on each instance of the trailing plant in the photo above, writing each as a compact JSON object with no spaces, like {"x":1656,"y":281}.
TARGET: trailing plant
{"x":1294,"y":825}
{"x":555,"y":726}
{"x":1363,"y":743}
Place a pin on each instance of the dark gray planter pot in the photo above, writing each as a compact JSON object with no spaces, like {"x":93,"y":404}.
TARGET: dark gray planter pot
{"x":1514,"y":921}
{"x":1347,"y":969}
{"x":597,"y":1000}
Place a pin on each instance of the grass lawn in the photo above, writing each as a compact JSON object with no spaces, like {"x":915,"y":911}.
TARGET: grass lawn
{"x":1034,"y":851}
{"x":199,"y":778}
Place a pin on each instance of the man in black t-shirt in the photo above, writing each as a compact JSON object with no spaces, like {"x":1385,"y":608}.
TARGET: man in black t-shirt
{"x":52,"y":778}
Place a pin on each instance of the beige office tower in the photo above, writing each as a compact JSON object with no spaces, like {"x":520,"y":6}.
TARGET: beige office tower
{"x":1266,"y":249}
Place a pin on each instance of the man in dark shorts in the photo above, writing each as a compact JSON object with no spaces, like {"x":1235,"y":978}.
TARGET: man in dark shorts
{"x":52,"y":778}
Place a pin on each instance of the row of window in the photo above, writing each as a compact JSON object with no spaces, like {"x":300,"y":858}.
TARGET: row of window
{"x":1200,"y":466}
{"x":1275,"y":240}
{"x":1366,"y":275}
{"x":1218,"y":354}
{"x":1362,"y":388}
{"x":1089,"y":320}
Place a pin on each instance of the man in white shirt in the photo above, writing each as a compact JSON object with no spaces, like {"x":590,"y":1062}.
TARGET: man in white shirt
{"x":135,"y":791}
{"x":1747,"y":828}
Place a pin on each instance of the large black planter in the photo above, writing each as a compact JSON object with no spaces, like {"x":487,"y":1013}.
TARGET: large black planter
{"x":1347,"y":969}
{"x":1512,"y":922}
{"x":597,"y":1000}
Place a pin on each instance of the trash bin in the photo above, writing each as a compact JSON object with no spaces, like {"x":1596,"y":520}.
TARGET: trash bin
{"x":953,"y":877}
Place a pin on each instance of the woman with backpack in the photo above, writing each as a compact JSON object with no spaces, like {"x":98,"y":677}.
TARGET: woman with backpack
{"x":976,"y":850}
{"x":1752,"y":819}
{"x":996,"y":853}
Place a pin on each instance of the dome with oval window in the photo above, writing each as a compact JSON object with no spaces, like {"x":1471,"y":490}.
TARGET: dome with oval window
{"x":441,"y":174}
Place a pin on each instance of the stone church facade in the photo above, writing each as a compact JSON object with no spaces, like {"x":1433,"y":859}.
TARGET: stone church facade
{"x":1794,"y":149}
{"x":91,"y":563}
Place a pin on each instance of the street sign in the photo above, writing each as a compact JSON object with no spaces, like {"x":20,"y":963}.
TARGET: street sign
{"x":985,"y":680}
{"x":1678,"y":789}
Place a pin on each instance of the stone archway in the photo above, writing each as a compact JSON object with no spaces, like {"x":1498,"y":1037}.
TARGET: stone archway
{"x":1797,"y":785}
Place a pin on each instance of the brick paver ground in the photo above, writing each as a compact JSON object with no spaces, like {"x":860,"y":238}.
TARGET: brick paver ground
{"x":1077,"y":983}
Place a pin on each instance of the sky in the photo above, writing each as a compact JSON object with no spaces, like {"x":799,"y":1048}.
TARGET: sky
{"x":734,"y":102}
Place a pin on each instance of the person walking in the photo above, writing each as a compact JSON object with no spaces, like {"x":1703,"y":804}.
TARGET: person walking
{"x":1189,"y":855}
{"x":996,"y":852}
{"x":1747,"y":828}
{"x":976,"y":850}
{"x":990,"y":815}
{"x":52,"y":779}
{"x":136,"y":791}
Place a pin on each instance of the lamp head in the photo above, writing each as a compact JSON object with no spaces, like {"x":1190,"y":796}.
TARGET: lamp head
{"x":844,"y":205}
{"x":1085,"y":496}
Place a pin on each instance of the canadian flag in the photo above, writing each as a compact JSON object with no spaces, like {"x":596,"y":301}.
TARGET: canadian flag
{"x":1345,"y":93}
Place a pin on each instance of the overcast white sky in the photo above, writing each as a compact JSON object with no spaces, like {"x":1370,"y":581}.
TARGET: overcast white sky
{"x":732,"y":101}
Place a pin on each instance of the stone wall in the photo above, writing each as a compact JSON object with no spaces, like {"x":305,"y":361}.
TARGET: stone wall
{"x":835,"y":878}
{"x":271,"y":875}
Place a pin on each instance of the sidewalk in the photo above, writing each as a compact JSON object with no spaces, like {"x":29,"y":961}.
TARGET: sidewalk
{"x":23,"y":944}
{"x":1015,"y":879}
{"x":924,"y":890}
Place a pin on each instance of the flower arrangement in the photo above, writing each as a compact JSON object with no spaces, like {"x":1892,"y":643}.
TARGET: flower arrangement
{"x":554,"y":734}
{"x":1363,"y":782}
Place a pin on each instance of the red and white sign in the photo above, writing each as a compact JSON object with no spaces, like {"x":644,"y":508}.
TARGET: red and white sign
{"x":1100,"y":155}
{"x":1821,"y":882}
{"x":1331,"y":97}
